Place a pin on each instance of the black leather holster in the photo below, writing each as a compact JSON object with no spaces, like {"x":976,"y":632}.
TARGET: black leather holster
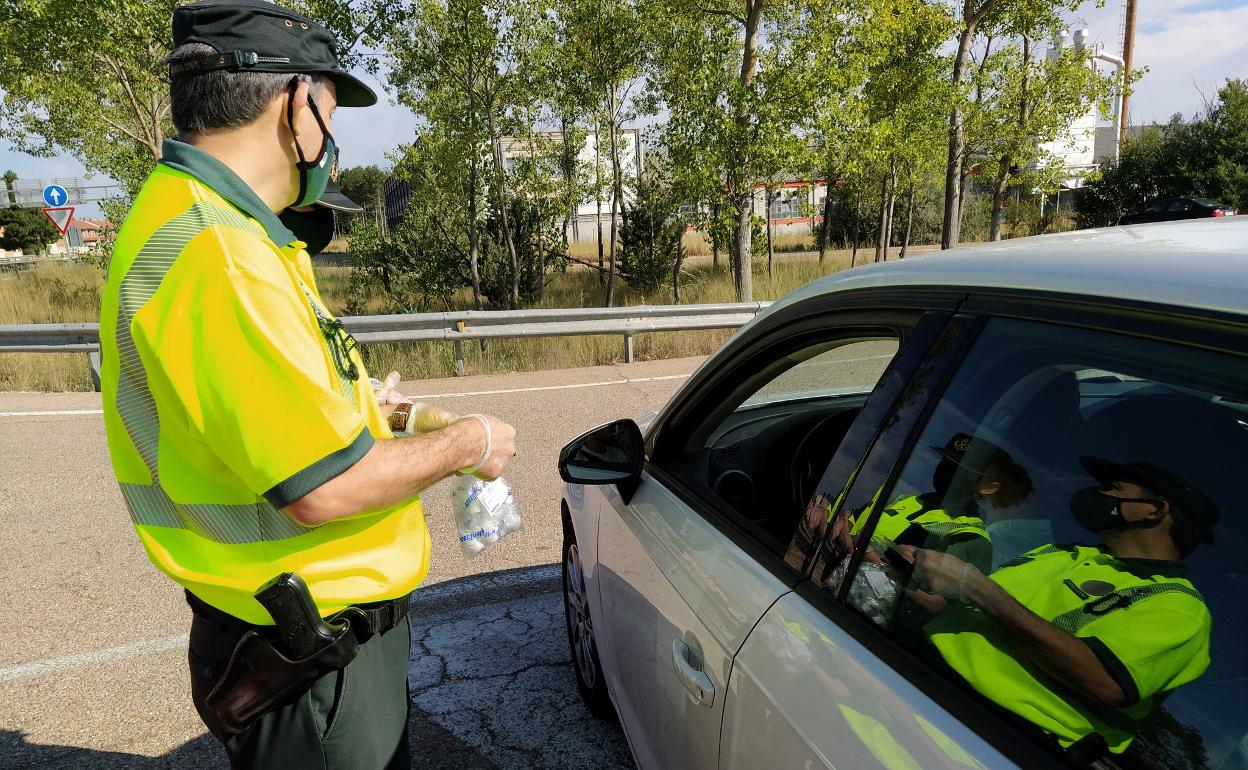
{"x":260,"y":678}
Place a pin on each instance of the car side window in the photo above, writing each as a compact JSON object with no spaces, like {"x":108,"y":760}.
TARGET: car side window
{"x":758,"y":458}
{"x":1067,"y":538}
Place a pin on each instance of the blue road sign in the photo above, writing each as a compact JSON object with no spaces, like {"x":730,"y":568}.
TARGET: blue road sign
{"x":55,"y":195}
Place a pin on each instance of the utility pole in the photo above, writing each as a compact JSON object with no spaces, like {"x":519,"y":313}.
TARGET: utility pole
{"x":1128,"y":47}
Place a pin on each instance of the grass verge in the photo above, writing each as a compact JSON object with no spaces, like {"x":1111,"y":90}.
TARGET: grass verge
{"x":59,"y":293}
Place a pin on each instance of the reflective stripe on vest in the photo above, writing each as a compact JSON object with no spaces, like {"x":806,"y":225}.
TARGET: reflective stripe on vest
{"x":1074,"y":620}
{"x":149,"y":504}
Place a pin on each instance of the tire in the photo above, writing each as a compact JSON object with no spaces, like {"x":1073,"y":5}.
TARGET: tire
{"x":582,"y":643}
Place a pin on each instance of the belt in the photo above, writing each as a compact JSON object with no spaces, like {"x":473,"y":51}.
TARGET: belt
{"x":366,"y":620}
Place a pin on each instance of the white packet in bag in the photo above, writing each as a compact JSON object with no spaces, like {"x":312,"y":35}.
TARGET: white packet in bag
{"x":485,"y":512}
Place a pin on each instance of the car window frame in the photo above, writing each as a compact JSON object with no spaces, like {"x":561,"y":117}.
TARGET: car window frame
{"x":1221,"y":332}
{"x":870,"y":310}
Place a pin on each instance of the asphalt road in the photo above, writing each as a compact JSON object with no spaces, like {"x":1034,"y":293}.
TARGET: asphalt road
{"x":93,"y":671}
{"x":93,"y":662}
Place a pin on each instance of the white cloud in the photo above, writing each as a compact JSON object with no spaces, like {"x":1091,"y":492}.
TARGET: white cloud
{"x":1188,"y":46}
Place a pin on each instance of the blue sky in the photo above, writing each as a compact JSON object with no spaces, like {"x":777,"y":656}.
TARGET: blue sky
{"x":1189,"y":46}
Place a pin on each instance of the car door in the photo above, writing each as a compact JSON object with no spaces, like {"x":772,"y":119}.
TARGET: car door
{"x":804,"y":691}
{"x":684,"y":573}
{"x":841,"y":672}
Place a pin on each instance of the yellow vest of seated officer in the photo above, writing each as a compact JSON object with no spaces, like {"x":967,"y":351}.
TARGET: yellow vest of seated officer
{"x":1142,"y":618}
{"x":224,"y":401}
{"x":901,"y":514}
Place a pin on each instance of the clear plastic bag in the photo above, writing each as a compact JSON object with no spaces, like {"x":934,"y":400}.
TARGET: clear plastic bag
{"x":485,"y":512}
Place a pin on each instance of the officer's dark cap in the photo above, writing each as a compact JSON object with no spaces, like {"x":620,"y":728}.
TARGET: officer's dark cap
{"x":1191,"y":502}
{"x":974,"y":454}
{"x":260,"y":36}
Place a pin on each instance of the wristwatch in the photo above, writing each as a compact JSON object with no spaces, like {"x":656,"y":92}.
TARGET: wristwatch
{"x":400,"y":417}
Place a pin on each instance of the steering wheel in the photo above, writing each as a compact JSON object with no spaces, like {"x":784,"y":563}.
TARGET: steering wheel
{"x":812,"y":457}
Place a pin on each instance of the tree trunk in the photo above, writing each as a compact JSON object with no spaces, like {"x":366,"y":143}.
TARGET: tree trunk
{"x":853,"y":258}
{"x":598,"y":201}
{"x":892,"y":202}
{"x":680,"y":258}
{"x":998,"y":198}
{"x":951,"y":227}
{"x":743,"y":187}
{"x":714,"y":230}
{"x":569,"y":171}
{"x":826,"y":226}
{"x":617,"y":190}
{"x":500,"y":194}
{"x":743,"y":270}
{"x":771,"y":250}
{"x":474,"y":236}
{"x":880,"y":248}
{"x":905,"y":241}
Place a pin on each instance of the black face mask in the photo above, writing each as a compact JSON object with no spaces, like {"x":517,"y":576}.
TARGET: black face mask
{"x":314,"y":227}
{"x":1096,"y":511}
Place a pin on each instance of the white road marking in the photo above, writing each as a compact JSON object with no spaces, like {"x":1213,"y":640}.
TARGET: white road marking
{"x":105,"y":655}
{"x":64,"y":413}
{"x":555,"y":387}
{"x":465,"y":394}
{"x":163,"y":644}
{"x":469,"y":393}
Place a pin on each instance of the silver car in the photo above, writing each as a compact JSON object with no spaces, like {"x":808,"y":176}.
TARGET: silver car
{"x":977,"y":509}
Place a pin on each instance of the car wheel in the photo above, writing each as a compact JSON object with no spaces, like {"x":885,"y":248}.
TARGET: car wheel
{"x":589,"y":678}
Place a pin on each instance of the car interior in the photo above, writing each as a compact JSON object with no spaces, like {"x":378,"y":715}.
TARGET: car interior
{"x":1050,"y":415}
{"x":768,"y":449}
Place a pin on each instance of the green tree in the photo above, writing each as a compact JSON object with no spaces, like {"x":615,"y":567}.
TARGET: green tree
{"x":1033,"y":100}
{"x":26,"y":229}
{"x":1204,"y":158}
{"x":86,"y":79}
{"x":444,"y":67}
{"x":365,"y":185}
{"x":10,"y":177}
{"x":651,"y":253}
{"x":604,"y":41}
{"x":730,"y":77}
{"x":974,"y":18}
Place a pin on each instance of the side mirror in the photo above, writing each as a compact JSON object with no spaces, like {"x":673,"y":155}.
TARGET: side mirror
{"x":611,"y":454}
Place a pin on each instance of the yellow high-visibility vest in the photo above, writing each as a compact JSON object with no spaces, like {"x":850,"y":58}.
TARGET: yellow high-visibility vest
{"x":228,"y":394}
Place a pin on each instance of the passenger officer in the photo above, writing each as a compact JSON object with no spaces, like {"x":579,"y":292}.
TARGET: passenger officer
{"x":971,"y":472}
{"x":243,"y":430}
{"x":1084,"y":641}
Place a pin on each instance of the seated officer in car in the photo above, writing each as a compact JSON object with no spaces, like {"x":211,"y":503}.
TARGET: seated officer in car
{"x":971,"y":471}
{"x":1084,"y":641}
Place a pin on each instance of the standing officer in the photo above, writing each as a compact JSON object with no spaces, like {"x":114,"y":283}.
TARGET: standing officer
{"x":243,"y":430}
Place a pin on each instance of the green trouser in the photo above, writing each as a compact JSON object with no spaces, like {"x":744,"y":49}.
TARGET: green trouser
{"x":353,"y":719}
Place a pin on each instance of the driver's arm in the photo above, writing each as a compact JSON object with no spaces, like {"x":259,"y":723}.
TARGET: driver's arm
{"x":1061,"y":654}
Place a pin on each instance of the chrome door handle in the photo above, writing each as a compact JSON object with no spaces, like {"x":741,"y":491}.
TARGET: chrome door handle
{"x":699,"y":685}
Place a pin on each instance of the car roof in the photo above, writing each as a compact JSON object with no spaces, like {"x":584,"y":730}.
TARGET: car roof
{"x":1200,"y":264}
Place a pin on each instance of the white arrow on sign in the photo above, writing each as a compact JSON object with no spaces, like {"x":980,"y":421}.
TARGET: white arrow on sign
{"x":60,"y":216}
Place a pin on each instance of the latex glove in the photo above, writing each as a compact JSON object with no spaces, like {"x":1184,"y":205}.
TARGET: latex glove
{"x":386,"y":393}
{"x":426,"y":418}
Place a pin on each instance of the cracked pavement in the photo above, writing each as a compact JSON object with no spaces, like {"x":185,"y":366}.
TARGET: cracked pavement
{"x":498,"y":678}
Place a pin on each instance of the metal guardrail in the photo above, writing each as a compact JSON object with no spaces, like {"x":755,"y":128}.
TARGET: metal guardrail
{"x":453,"y":327}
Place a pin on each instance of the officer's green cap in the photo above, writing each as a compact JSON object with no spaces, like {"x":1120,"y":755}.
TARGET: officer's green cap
{"x":260,"y":36}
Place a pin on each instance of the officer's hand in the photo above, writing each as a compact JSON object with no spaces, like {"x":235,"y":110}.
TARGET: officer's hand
{"x":502,"y":449}
{"x":429,"y":418}
{"x":941,"y":574}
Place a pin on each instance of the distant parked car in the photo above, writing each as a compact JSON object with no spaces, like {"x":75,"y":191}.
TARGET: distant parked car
{"x":1170,"y":209}
{"x":735,"y":572}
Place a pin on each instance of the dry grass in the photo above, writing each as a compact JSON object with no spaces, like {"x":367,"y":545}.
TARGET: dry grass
{"x":70,"y":293}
